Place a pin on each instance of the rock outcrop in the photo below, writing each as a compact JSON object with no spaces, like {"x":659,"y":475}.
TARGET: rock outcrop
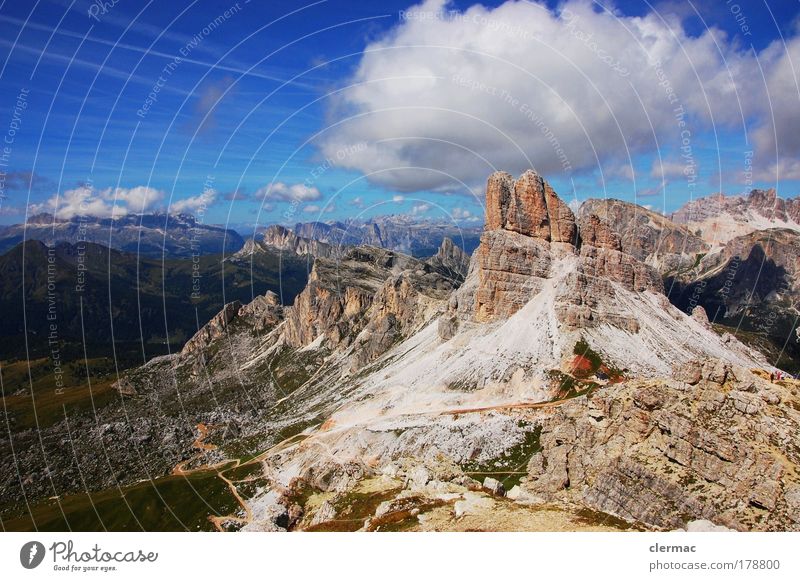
{"x":450,"y":260}
{"x":528,"y":206}
{"x":531,"y":235}
{"x":212,"y":330}
{"x":716,"y":444}
{"x":370,"y":295}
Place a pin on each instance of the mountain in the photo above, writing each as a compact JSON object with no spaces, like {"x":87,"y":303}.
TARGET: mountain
{"x":720,"y":218}
{"x":752,"y":285}
{"x":115,"y":303}
{"x":746,"y":284}
{"x":555,"y":388}
{"x":151,"y":235}
{"x":419,"y":238}
{"x":283,"y":239}
{"x":647,"y":235}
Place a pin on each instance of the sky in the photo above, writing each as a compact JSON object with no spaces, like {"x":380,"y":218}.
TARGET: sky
{"x":251,"y":112}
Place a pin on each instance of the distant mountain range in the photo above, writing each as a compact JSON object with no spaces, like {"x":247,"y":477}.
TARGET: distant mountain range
{"x":183,"y":236}
{"x":719,"y":218}
{"x":418,"y":238}
{"x":151,"y":235}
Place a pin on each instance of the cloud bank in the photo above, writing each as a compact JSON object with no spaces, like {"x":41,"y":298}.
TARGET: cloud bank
{"x":100,"y":203}
{"x":446,"y":96}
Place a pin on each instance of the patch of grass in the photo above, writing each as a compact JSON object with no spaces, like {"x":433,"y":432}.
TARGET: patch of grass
{"x":172,"y":503}
{"x":592,"y":517}
{"x":511,"y":466}
{"x":49,"y":401}
{"x":353,"y":509}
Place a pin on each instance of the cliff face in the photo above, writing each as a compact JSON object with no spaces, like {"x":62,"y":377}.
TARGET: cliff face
{"x":370,"y":296}
{"x":647,"y":235}
{"x":639,"y":451}
{"x":528,"y":206}
{"x":531,"y":235}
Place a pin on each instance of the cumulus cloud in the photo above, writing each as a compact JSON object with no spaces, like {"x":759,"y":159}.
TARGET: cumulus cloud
{"x":420,"y":208}
{"x":104,"y":203}
{"x":461,"y":214}
{"x":318,"y":209}
{"x":282,"y":192}
{"x":194,"y":204}
{"x":671,"y":169}
{"x":136,"y":200}
{"x":446,"y":96}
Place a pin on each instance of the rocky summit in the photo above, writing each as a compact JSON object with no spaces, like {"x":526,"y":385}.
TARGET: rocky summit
{"x":544,"y":383}
{"x":719,"y":218}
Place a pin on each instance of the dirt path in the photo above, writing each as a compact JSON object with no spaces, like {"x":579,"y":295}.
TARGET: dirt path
{"x":506,"y":406}
{"x":225,"y":466}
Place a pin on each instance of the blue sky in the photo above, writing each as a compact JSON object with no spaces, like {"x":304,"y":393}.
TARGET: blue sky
{"x":273,"y":112}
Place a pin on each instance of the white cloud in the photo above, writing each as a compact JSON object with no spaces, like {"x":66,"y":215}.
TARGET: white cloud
{"x":318,"y":209}
{"x":6,"y":210}
{"x":194,"y":204}
{"x":106,"y":203}
{"x":137,"y":200}
{"x":282,"y":192}
{"x":623,"y":171}
{"x":460,"y":214}
{"x":671,"y":169}
{"x":449,"y":97}
{"x":358,"y":202}
{"x":420,"y":208}
{"x":787,"y":169}
{"x":398,"y":199}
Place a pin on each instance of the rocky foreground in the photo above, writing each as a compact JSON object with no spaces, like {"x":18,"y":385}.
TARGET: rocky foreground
{"x":713,"y":448}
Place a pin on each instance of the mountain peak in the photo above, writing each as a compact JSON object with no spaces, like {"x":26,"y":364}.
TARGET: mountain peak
{"x":528,"y":206}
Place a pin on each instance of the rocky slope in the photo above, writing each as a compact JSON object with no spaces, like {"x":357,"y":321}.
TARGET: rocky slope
{"x":647,"y":235}
{"x":751,"y":284}
{"x":720,"y":218}
{"x":151,"y":235}
{"x":713,"y":442}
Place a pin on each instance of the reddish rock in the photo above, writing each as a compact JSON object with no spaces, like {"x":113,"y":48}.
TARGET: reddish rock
{"x":597,"y":233}
{"x":528,"y":206}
